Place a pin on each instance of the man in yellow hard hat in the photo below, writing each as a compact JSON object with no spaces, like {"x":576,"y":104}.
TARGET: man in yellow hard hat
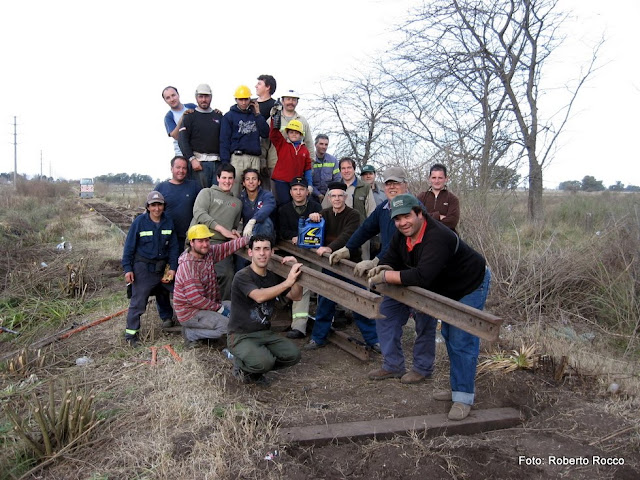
{"x":196,"y":294}
{"x":240,"y":132}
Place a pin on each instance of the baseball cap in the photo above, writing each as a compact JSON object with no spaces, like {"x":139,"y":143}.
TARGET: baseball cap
{"x":394,"y":174}
{"x":203,"y":89}
{"x":154,"y":197}
{"x":367,"y":169}
{"x":403,"y":204}
{"x":298,"y":181}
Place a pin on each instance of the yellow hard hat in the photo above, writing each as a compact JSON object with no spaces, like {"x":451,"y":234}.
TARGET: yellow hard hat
{"x":199,"y":231}
{"x":295,"y":125}
{"x":242,"y":92}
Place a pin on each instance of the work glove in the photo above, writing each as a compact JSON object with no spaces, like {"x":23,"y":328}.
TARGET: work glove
{"x":248,"y":229}
{"x":224,"y":311}
{"x":277,"y":120}
{"x":364,"y":266}
{"x":277,"y":108}
{"x":338,"y":255}
{"x":376,"y":275}
{"x":310,"y":189}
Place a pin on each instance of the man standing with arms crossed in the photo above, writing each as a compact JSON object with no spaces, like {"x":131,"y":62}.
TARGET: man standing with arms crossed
{"x":180,"y":195}
{"x":199,"y":138}
{"x":427,"y":254}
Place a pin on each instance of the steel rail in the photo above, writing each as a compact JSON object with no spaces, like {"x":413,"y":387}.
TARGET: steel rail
{"x":353,"y":297}
{"x":477,"y":322}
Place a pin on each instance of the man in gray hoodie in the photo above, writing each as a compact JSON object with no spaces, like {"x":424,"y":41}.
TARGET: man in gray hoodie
{"x":218,"y":209}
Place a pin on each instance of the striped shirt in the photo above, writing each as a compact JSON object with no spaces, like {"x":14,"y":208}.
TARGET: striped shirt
{"x":196,"y":286}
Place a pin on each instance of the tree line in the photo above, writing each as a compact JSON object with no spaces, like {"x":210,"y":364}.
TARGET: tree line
{"x":590,"y":184}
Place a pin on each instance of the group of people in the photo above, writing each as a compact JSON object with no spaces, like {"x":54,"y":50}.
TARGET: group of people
{"x":394,"y":237}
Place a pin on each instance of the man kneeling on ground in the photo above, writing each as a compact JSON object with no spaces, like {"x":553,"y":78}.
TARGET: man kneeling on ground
{"x":196,"y":295}
{"x":255,"y":347}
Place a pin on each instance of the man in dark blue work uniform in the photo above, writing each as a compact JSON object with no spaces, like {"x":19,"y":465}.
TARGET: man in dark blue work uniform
{"x":151,"y":245}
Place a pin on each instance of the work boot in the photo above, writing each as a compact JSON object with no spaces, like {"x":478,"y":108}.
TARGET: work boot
{"x":442,"y":395}
{"x":413,"y":377}
{"x":313,"y":345}
{"x":376,"y":348}
{"x":459,"y":411}
{"x":192,"y":344}
{"x":259,"y":379}
{"x":134,"y":342}
{"x":167,"y":323}
{"x":382,"y":374}
{"x":295,"y":334}
{"x":239,"y":374}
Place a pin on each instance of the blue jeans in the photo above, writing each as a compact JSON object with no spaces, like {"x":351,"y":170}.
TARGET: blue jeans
{"x":324,"y":314}
{"x":281,"y":191}
{"x":463,"y":348}
{"x":207,"y":176}
{"x":390,"y":334}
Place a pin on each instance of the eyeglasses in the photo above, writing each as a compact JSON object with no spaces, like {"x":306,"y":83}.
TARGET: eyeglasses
{"x":392,"y":184}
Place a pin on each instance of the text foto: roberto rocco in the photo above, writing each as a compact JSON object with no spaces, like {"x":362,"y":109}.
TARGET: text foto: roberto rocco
{"x":564,"y":461}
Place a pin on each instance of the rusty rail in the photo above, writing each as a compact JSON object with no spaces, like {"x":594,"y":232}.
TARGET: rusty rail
{"x":355,"y":298}
{"x":477,"y":322}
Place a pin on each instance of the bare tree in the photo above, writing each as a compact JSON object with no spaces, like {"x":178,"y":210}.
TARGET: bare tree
{"x":358,"y":114}
{"x":469,"y":73}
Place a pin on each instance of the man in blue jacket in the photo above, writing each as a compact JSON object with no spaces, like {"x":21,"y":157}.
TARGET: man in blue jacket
{"x":240,"y":132}
{"x":389,"y":330}
{"x":151,"y":245}
{"x":258,"y":205}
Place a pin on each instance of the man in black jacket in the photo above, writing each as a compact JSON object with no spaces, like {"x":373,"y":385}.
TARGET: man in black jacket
{"x":427,"y":254}
{"x":300,"y":207}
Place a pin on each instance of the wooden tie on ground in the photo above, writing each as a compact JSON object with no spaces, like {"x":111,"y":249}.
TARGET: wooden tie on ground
{"x":426,"y":426}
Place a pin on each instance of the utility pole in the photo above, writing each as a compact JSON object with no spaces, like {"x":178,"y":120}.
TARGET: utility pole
{"x":15,"y":153}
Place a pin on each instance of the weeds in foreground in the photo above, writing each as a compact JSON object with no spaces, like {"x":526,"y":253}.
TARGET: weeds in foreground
{"x":524,"y":358}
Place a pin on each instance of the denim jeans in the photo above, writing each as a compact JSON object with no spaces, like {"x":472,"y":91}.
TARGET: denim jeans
{"x":281,"y":191}
{"x":207,"y":176}
{"x":390,"y":335}
{"x":463,"y":348}
{"x":324,"y":314}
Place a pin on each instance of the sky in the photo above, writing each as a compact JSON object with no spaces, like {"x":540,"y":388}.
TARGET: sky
{"x":84,"y":79}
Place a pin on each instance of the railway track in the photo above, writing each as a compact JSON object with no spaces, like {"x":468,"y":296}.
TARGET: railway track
{"x":119,"y":217}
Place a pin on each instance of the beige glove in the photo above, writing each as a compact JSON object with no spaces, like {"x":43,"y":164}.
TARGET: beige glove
{"x":248,"y":229}
{"x":310,"y":189}
{"x":376,"y":275}
{"x":338,"y":255}
{"x":364,"y":266}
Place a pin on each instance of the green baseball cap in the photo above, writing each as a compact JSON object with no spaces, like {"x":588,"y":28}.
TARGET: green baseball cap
{"x":403,"y":204}
{"x":367,"y":169}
